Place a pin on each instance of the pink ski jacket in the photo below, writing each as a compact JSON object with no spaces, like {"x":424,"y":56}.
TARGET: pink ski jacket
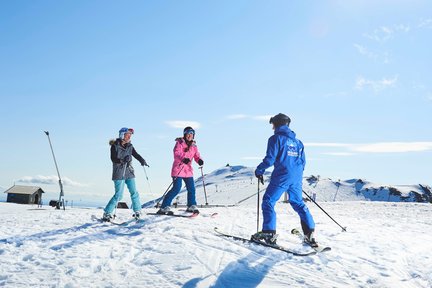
{"x":181,"y":151}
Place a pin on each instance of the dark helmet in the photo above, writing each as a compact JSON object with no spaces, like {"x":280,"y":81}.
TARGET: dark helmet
{"x":280,"y":119}
{"x":188,"y":130}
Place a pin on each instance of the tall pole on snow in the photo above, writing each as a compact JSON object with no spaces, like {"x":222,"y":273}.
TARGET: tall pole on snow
{"x":258,"y":204}
{"x":202,"y":177}
{"x":61,"y":196}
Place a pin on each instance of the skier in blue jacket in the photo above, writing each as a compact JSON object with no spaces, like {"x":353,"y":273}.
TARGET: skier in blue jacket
{"x":286,"y":153}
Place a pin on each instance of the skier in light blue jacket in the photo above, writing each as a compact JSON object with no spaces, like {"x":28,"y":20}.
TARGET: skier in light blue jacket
{"x":286,"y":153}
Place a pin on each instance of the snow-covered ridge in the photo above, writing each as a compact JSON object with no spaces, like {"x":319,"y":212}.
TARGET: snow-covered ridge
{"x":233,"y":185}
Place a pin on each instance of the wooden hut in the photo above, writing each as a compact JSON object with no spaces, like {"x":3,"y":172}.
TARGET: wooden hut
{"x":24,"y":194}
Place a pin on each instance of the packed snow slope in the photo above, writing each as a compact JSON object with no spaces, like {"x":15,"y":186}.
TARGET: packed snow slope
{"x":387,"y":244}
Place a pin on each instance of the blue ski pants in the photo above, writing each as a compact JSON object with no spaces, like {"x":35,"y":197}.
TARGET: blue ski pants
{"x":272,"y":195}
{"x":177,"y":184}
{"x":118,"y":195}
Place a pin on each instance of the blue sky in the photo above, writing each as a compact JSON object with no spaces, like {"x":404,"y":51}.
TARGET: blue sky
{"x":354,"y":76}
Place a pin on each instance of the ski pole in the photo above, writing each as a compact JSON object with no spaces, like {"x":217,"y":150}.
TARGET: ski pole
{"x":166,"y":191}
{"x":258,"y":203}
{"x":61,"y":196}
{"x":202,"y":176}
{"x":343,"y":228}
{"x":247,"y":198}
{"x":148,"y":182}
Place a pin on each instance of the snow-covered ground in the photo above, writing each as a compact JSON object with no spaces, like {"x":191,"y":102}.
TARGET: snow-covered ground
{"x":386,"y":245}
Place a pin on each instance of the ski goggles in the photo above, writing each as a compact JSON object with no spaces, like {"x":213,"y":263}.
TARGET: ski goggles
{"x":189,"y":131}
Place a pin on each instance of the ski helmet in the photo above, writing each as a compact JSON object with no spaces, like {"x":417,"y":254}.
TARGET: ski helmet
{"x":125,"y":130}
{"x":280,"y":119}
{"x":188,"y":130}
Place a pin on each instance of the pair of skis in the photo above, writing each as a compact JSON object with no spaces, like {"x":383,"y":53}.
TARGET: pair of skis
{"x":296,"y":232}
{"x":124,"y":223}
{"x":190,"y":216}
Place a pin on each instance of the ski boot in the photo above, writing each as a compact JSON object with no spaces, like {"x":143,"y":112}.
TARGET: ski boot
{"x":107,"y":217}
{"x":309,"y":239}
{"x":267,"y":237}
{"x":165,"y":211}
{"x":137,"y":215}
{"x":192,"y":209}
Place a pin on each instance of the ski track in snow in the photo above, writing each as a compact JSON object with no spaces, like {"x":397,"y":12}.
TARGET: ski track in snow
{"x":386,"y":245}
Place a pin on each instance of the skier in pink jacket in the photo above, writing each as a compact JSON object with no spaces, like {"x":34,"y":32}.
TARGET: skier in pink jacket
{"x":185,"y":150}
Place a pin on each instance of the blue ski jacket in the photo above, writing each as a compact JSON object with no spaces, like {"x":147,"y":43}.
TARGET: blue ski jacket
{"x":286,"y":153}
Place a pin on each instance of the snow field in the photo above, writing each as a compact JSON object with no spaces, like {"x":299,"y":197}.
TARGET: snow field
{"x":386,"y":245}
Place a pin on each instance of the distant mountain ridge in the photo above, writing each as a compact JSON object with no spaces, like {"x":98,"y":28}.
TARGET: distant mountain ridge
{"x":359,"y":189}
{"x":231,"y":185}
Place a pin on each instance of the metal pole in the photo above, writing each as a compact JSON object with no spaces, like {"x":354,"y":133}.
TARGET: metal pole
{"x":202,"y":176}
{"x":61,"y":196}
{"x":166,"y":191}
{"x":148,"y":182}
{"x":258,"y":204}
{"x":343,"y":228}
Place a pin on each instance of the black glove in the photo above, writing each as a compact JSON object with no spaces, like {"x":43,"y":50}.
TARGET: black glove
{"x":144,"y":163}
{"x":186,"y":160}
{"x":200,"y":162}
{"x":260,"y":179}
{"x":127,"y":159}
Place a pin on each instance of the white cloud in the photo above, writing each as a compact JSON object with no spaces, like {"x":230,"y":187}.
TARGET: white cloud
{"x":393,"y":147}
{"x":263,"y":117}
{"x":316,"y":144}
{"x":183,"y":123}
{"x":376,"y":85}
{"x":365,"y":51}
{"x":338,"y":153}
{"x":336,"y":94}
{"x":402,"y":28}
{"x":380,"y":147}
{"x":385,"y":33}
{"x":49,"y":180}
{"x":425,"y":23}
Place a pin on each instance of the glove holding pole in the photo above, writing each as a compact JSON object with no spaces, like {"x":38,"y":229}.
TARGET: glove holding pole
{"x":260,"y":178}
